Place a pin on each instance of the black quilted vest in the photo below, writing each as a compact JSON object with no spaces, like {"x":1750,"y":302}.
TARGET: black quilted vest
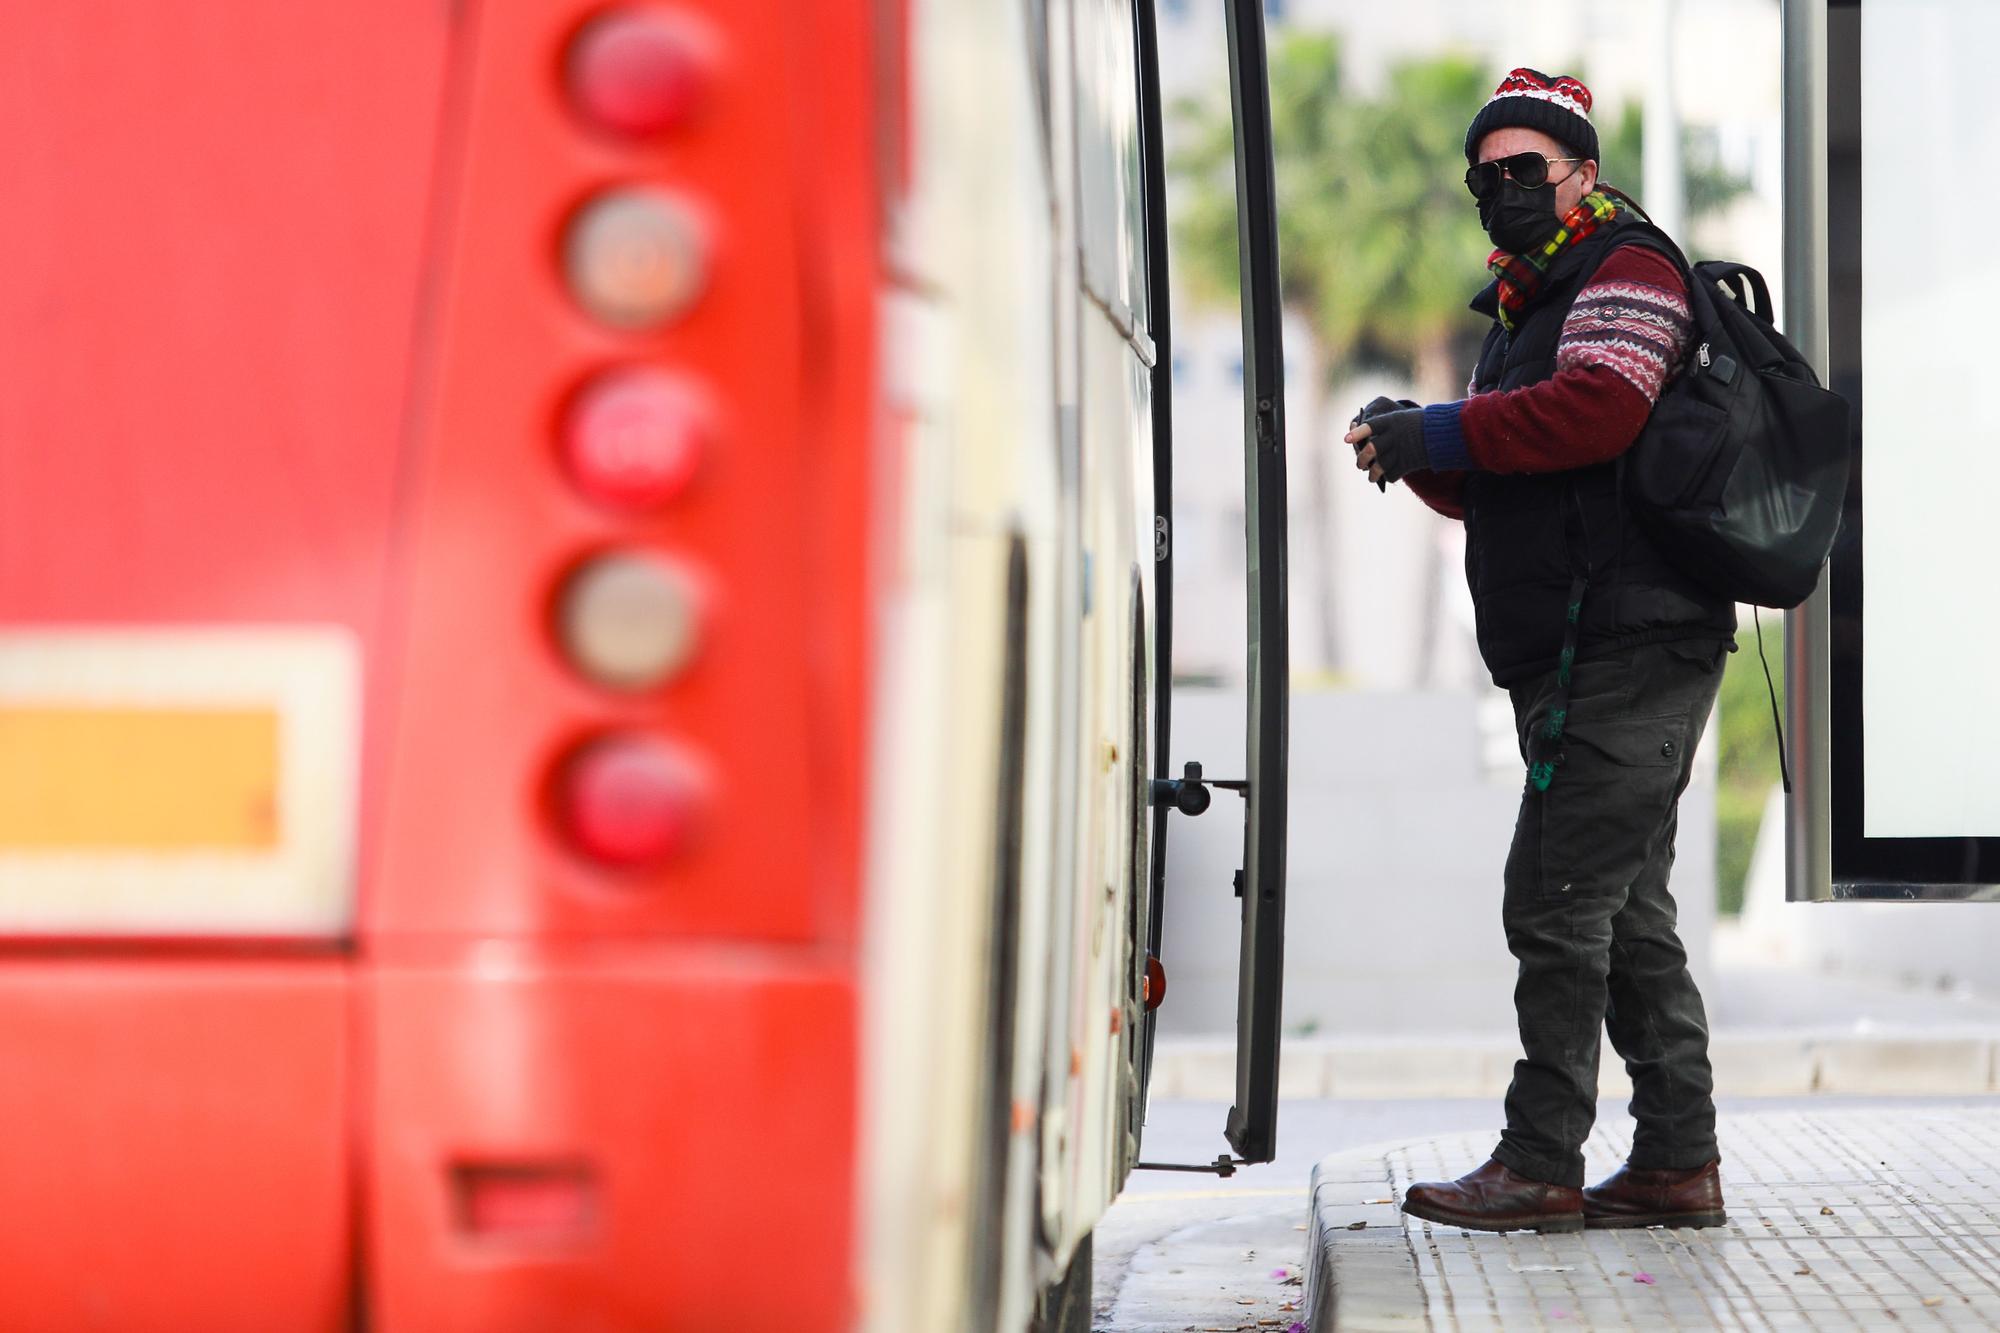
{"x":1525,"y":533}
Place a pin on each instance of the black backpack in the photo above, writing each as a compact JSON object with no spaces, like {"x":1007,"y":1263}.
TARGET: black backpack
{"x":1741,"y":470}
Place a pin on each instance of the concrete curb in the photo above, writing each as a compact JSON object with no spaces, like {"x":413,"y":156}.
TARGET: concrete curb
{"x":1356,"y":1249}
{"x":1748,"y":1063}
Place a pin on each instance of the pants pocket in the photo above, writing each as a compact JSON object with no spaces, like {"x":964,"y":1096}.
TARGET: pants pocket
{"x":1610,"y":803}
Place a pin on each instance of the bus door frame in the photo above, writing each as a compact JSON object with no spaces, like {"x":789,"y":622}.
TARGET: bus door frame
{"x":1251,"y":1128}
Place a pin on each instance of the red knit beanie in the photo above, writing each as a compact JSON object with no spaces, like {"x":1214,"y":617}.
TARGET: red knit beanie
{"x":1559,"y":107}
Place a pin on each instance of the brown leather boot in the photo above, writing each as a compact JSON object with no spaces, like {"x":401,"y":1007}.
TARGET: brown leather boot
{"x":1496,"y":1199}
{"x":1630,"y":1197}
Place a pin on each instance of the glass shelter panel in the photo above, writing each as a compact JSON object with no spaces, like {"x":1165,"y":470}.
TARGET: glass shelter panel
{"x":1932,"y":766}
{"x":1910,"y":742}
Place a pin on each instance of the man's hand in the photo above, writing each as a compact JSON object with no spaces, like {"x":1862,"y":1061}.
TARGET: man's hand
{"x":1390,"y":445}
{"x":1375,"y":407}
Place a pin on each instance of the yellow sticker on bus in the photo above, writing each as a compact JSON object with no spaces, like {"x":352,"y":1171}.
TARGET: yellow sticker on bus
{"x":184,"y":780}
{"x":138,"y":779}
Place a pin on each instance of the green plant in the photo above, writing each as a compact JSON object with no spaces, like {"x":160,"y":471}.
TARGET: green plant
{"x":1378,"y":245}
{"x":1746,"y":758}
{"x":1710,"y":185}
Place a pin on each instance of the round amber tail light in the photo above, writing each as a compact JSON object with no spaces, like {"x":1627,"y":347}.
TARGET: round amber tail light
{"x":629,"y":620}
{"x":635,"y":258}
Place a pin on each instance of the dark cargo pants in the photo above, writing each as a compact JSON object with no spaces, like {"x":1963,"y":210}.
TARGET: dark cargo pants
{"x":1589,"y":917}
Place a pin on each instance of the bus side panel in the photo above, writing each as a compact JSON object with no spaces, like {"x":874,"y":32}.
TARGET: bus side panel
{"x":1104,"y":959}
{"x":214,"y":244}
{"x":548,"y":1144}
{"x":175,"y":1145}
{"x":214,"y":238}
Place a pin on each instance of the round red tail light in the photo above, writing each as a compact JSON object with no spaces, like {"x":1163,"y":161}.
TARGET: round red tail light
{"x":635,"y":73}
{"x":633,"y":438}
{"x":627,"y":801}
{"x":635,"y":258}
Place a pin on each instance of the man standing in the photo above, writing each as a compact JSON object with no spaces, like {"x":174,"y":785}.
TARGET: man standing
{"x":1612,"y":657}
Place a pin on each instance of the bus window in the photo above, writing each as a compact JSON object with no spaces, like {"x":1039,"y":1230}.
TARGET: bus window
{"x":1110,"y":160}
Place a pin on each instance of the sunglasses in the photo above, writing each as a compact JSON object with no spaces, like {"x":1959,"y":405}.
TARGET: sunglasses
{"x":1529,"y":170}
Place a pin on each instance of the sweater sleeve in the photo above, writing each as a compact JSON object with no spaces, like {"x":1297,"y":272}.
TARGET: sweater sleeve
{"x":1625,"y":335}
{"x":1442,"y":491}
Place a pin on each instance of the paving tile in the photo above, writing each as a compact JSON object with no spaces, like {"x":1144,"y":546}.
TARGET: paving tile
{"x":1838,"y":1220}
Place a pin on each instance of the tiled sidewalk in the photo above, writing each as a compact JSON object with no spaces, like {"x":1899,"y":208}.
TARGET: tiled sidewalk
{"x":1840,"y":1220}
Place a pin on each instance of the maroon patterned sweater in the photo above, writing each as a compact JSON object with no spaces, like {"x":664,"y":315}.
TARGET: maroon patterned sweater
{"x":1624,"y":336}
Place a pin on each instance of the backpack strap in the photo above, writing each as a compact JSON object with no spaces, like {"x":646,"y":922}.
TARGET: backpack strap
{"x":1545,"y":752}
{"x":1777,"y":723}
{"x":1744,"y":284}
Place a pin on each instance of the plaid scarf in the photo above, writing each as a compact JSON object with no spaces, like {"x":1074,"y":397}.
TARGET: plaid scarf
{"x":1520,"y":275}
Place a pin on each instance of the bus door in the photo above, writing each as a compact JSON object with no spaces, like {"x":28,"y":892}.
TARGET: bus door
{"x":1259,"y":882}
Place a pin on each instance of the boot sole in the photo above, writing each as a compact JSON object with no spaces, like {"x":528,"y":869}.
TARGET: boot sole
{"x":1554,"y":1222}
{"x":1690,"y":1221}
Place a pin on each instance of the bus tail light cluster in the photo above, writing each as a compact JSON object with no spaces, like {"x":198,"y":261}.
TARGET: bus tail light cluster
{"x":635,"y":258}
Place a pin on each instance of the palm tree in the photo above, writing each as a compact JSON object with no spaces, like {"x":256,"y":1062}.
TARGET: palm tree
{"x":1375,"y":236}
{"x":1710,"y":186}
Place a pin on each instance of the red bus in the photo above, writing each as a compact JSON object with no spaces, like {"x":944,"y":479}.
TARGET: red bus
{"x":582,"y":705}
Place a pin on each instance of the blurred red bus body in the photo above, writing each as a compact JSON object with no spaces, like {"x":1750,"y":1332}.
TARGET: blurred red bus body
{"x":396,"y":935}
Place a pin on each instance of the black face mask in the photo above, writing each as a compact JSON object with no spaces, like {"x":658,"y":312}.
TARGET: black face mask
{"x":1519,"y":220}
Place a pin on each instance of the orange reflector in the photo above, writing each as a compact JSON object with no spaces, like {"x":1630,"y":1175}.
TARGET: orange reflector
{"x":546,"y":1202}
{"x":1156,"y":983}
{"x":138,"y":779}
{"x":629,"y":621}
{"x":628,"y":801}
{"x":635,"y":258}
{"x":633,"y":438}
{"x":635,"y":73}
